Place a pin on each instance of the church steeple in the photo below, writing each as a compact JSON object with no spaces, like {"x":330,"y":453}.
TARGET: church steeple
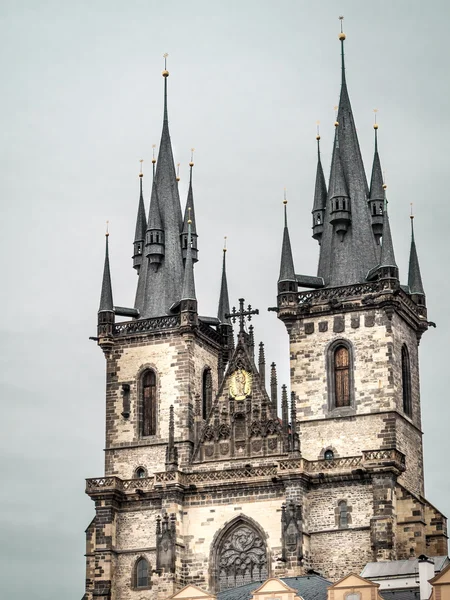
{"x":141,"y":226}
{"x":160,"y":286}
{"x":224,"y":302}
{"x":190,"y":205}
{"x":376,"y":193}
{"x":320,"y":196}
{"x":287,"y":271}
{"x":105,"y":318}
{"x":414,"y":276}
{"x":348,"y":248}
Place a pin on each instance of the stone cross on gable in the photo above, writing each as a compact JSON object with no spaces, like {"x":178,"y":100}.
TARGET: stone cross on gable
{"x":241,"y":314}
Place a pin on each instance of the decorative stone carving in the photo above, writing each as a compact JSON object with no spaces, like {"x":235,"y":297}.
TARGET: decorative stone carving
{"x":291,"y":528}
{"x":165,"y":543}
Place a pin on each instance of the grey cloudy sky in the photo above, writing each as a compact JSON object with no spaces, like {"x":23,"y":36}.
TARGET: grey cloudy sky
{"x":81,"y":103}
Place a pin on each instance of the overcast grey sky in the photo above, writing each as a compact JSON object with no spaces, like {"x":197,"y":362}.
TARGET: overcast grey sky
{"x":81,"y":103}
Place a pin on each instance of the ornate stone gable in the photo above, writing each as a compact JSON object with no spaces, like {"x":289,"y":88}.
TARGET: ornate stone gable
{"x":242,"y":422}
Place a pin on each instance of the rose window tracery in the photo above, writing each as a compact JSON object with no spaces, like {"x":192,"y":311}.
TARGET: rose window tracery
{"x":242,"y":558}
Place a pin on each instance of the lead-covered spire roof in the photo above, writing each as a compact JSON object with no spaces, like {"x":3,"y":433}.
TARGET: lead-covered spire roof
{"x":224,"y":301}
{"x":376,"y":181}
{"x":320,"y":190}
{"x":106,"y":297}
{"x":387,"y":247}
{"x":414,"y":276}
{"x":188,"y":292}
{"x":287,"y":271}
{"x":141,"y":220}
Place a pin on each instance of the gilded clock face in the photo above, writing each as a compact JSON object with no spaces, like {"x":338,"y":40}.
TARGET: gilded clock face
{"x":240,"y":384}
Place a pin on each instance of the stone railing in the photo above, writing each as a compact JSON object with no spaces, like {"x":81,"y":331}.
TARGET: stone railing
{"x":339,"y":294}
{"x":143,"y":325}
{"x":346,"y":464}
{"x":209,"y":332}
{"x":115,"y":483}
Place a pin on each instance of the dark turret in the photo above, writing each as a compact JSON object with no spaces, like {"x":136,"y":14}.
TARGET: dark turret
{"x":154,"y":240}
{"x":141,"y":226}
{"x":105,"y":318}
{"x":376,"y":194}
{"x":184,"y":233}
{"x":188,"y":304}
{"x":388,"y":265}
{"x":320,"y":198}
{"x":414,"y":276}
{"x":340,"y":209}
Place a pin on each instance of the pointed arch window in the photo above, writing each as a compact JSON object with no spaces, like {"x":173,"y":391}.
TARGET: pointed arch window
{"x":241,"y":557}
{"x":406,"y":382}
{"x":341,"y":376}
{"x":148,"y":403}
{"x":206,"y":392}
{"x":141,"y":574}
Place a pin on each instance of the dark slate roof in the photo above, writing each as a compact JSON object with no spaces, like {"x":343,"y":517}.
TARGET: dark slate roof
{"x":224,"y":301}
{"x":287,"y":271}
{"x":106,"y":297}
{"x":414,"y":277}
{"x":154,"y":214}
{"x":338,"y":185}
{"x":393,"y":568}
{"x":320,"y":190}
{"x":141,"y":220}
{"x":348,"y":261}
{"x":387,"y":247}
{"x":412,"y":593}
{"x":309,"y":587}
{"x":376,"y":182}
{"x":160,"y":288}
{"x":188,"y":291}
{"x":190,"y":204}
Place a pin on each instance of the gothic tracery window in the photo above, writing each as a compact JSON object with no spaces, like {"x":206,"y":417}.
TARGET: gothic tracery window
{"x":149,"y":403}
{"x":341,"y":376}
{"x":242,"y":557}
{"x":141,"y":573}
{"x":206,"y":392}
{"x":406,"y":382}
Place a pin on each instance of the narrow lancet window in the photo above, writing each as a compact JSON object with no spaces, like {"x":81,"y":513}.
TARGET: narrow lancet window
{"x":206,"y":392}
{"x":406,"y":382}
{"x":142,"y":580}
{"x":149,"y":403}
{"x":341,"y":376}
{"x":343,"y":514}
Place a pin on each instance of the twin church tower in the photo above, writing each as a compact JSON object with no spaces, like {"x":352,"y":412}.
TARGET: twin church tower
{"x":215,"y":476}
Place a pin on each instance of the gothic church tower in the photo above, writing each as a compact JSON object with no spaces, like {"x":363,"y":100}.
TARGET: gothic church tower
{"x":208,"y":480}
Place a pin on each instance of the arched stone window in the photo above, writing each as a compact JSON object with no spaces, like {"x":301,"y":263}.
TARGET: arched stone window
{"x":141,"y":574}
{"x":206,"y":392}
{"x":343,"y":514}
{"x":406,"y":382}
{"x":340,"y":375}
{"x":140,"y":473}
{"x":328,"y":455}
{"x":240,"y":555}
{"x":148,"y":402}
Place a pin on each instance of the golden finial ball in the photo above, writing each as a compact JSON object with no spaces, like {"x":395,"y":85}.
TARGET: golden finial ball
{"x":317,"y":137}
{"x":284,"y":201}
{"x":189,"y":222}
{"x":165,"y":73}
{"x":191,"y":164}
{"x":153,"y":160}
{"x":342,"y":36}
{"x":384,"y":186}
{"x":375,"y":125}
{"x":141,"y":174}
{"x":336,"y":123}
{"x":178,"y":178}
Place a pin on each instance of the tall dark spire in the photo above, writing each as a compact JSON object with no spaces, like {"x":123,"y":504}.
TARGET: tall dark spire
{"x":141,"y":226}
{"x":387,"y":247}
{"x":376,"y":193}
{"x":160,"y":286}
{"x":106,"y":296}
{"x":188,"y":292}
{"x":348,"y":248}
{"x":190,"y":204}
{"x":320,"y":196}
{"x":287,"y":271}
{"x":414,"y":277}
{"x":224,"y":302}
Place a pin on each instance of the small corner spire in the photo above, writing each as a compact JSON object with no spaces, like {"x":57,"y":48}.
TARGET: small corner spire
{"x":387,"y":247}
{"x":320,"y":195}
{"x":287,"y":271}
{"x":377,"y":196}
{"x":106,"y":296}
{"x":188,"y":292}
{"x":414,"y":276}
{"x":141,"y":226}
{"x":189,"y":213}
{"x":274,"y":388}
{"x":224,"y":302}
